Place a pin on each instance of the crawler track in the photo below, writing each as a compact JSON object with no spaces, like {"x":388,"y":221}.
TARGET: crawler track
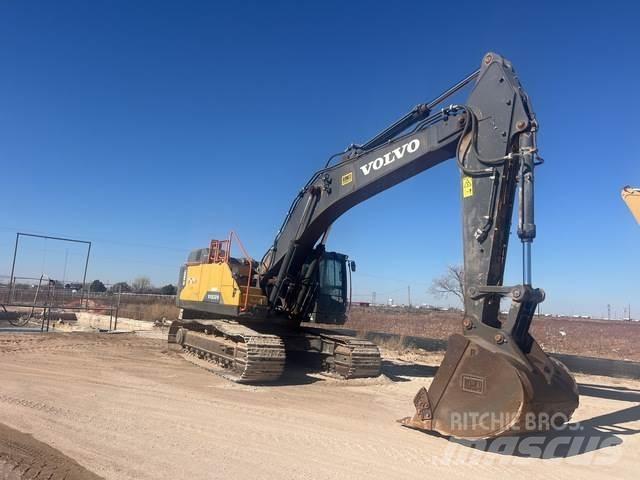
{"x":353,"y":357}
{"x":244,"y":354}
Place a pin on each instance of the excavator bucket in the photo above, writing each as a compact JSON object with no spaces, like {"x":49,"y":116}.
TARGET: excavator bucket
{"x":478,"y":394}
{"x":631,"y":197}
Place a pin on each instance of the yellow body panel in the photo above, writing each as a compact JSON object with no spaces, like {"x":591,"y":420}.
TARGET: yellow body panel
{"x":631,"y":197}
{"x":208,"y":278}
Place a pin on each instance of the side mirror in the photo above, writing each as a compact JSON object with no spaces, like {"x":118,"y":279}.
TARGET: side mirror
{"x":352,"y":264}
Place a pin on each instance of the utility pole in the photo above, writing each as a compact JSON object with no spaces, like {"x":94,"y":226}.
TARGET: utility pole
{"x":608,"y":311}
{"x":629,"y":312}
{"x":373,"y":298}
{"x":409,"y":293}
{"x":64,"y":272}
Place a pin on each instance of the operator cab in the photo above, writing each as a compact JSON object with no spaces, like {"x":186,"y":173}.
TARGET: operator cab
{"x":332,"y":298}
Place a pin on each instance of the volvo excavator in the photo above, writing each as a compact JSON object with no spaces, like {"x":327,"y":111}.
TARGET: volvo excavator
{"x":248,"y":317}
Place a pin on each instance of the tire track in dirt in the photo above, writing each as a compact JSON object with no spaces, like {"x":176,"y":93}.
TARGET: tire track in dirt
{"x":22,"y":457}
{"x":258,"y":433}
{"x":261,"y":428}
{"x":40,"y":406}
{"x":65,"y":342}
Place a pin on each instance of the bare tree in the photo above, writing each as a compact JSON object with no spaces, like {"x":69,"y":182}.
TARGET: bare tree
{"x":141,"y":284}
{"x":451,"y":283}
{"x":123,"y":287}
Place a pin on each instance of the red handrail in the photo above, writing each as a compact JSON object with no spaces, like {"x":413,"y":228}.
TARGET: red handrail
{"x":224,"y":246}
{"x":250,"y":260}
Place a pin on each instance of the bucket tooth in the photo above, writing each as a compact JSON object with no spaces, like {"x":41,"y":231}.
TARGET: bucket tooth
{"x":421,"y":420}
{"x":480,"y":394}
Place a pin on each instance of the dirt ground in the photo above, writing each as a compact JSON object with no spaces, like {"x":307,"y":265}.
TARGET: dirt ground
{"x":24,"y":457}
{"x":124,"y":406}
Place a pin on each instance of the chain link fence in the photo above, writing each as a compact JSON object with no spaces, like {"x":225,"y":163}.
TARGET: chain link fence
{"x":137,"y":306}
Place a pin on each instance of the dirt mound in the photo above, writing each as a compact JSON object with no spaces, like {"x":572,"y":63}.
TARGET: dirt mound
{"x":24,"y":457}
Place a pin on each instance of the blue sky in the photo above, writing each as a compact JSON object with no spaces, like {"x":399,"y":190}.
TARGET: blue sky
{"x":151,"y":127}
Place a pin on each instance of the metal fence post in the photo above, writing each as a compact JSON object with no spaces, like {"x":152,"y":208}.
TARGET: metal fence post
{"x":118,"y":306}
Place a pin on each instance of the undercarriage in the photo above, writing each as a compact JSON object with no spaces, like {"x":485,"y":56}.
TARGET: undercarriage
{"x":245,"y":354}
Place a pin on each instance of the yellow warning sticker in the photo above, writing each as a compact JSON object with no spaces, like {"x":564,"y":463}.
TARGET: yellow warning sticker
{"x":347,"y":178}
{"x":467,"y":187}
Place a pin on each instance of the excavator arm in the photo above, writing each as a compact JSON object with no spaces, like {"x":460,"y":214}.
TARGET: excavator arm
{"x":496,"y":366}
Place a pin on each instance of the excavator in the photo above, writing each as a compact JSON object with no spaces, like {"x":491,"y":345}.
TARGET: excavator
{"x":248,"y":317}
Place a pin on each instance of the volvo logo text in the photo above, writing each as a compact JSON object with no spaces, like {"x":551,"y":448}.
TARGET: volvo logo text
{"x":390,"y":157}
